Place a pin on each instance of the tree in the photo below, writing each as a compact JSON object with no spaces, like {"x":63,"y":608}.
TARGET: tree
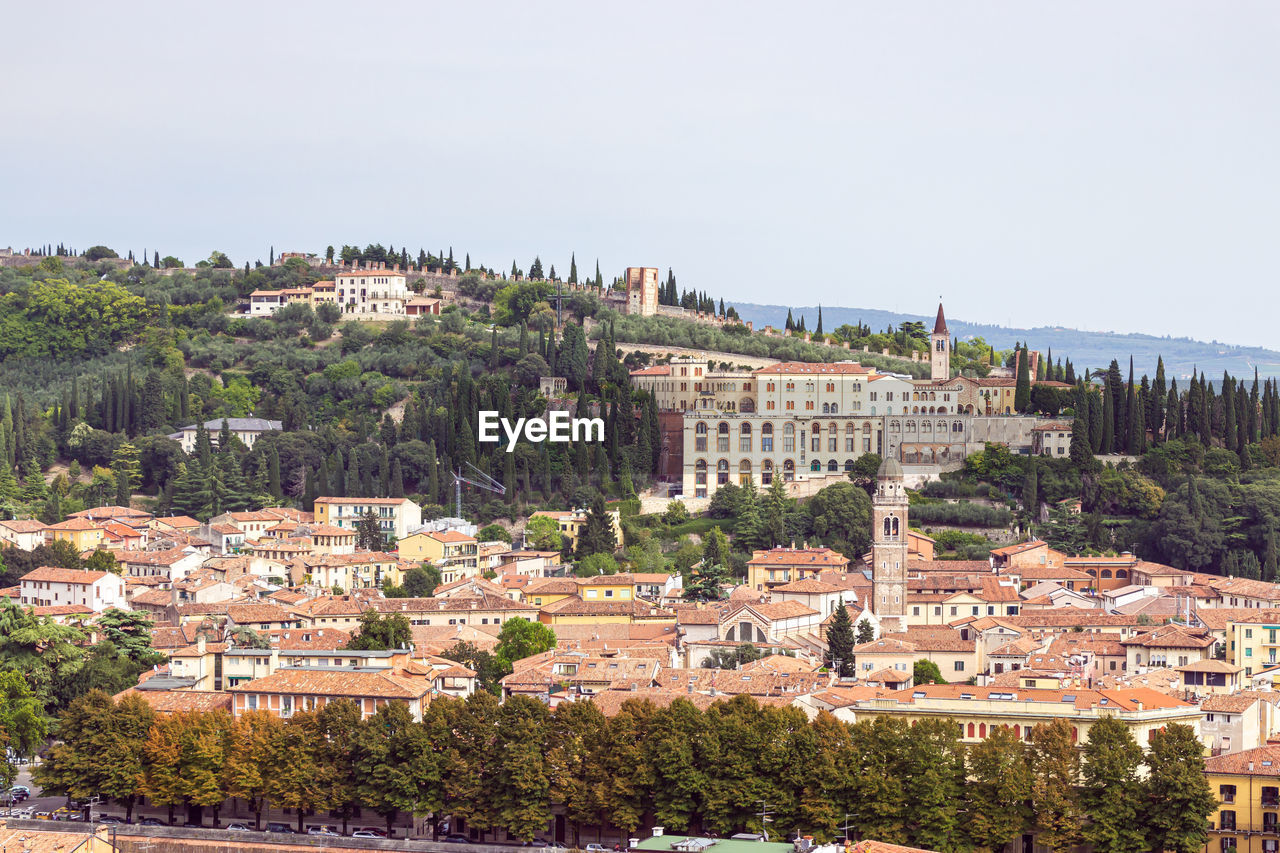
{"x":732,"y":658}
{"x":597,"y":535}
{"x":369,"y":535}
{"x":1022,"y":390}
{"x":100,"y":750}
{"x":925,"y":671}
{"x":1081,"y":451}
{"x":248,"y":765}
{"x":706,"y":583}
{"x":130,"y":632}
{"x":866,"y":632}
{"x":1112,"y":795}
{"x":102,"y":560}
{"x":520,"y":638}
{"x":544,"y":533}
{"x":494,"y":533}
{"x":715,"y":547}
{"x":840,"y":642}
{"x":395,"y":764}
{"x":380,"y":633}
{"x":997,"y":797}
{"x":420,"y":581}
{"x":488,"y":670}
{"x":594,"y":565}
{"x":1055,"y":772}
{"x":841,"y":515}
{"x":1178,"y":799}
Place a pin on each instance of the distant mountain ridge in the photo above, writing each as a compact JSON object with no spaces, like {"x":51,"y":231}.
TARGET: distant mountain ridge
{"x":1085,"y":349}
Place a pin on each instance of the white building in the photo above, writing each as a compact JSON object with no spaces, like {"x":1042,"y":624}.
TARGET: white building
{"x":23,"y":534}
{"x":245,"y":429}
{"x":373,"y":291}
{"x":50,"y":587}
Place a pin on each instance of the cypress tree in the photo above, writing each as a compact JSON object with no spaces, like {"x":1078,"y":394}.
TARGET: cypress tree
{"x":1156,"y":407}
{"x":791,"y":325}
{"x":1173,"y":412}
{"x":817,"y":330}
{"x":1129,"y":412}
{"x":1095,"y":421}
{"x":273,"y":474}
{"x":1228,"y":412}
{"x":1022,"y":391}
{"x":1108,"y":424}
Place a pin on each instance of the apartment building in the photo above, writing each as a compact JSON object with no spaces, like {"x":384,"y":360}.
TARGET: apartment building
{"x":53,"y":587}
{"x":775,"y":567}
{"x":1247,"y":785}
{"x":396,"y":516}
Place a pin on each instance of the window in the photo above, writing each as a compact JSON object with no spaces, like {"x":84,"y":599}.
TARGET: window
{"x":722,"y":471}
{"x":766,"y":438}
{"x":959,"y":666}
{"x":722,"y":438}
{"x":744,"y":439}
{"x":1226,"y":793}
{"x":700,"y":437}
{"x":1228,"y":819}
{"x":789,"y":438}
{"x":1270,"y":797}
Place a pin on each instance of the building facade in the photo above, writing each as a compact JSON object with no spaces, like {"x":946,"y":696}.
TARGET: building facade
{"x":889,"y":514}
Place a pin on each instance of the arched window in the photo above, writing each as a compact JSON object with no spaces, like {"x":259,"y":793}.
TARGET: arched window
{"x":722,"y":438}
{"x":700,"y":472}
{"x":744,"y":472}
{"x":788,"y":471}
{"x":982,"y":730}
{"x":766,"y":472}
{"x":850,"y":439}
{"x":789,"y":438}
{"x":722,"y":472}
{"x":744,"y":438}
{"x":833,"y":437}
{"x":971,"y":730}
{"x":833,"y":467}
{"x":957,"y":426}
{"x":1106,"y":573}
{"x":701,"y":428}
{"x":835,"y":408}
{"x":848,"y":465}
{"x":1122,"y":573}
{"x":700,"y":437}
{"x":826,"y":409}
{"x":815,"y":465}
{"x":927,"y":426}
{"x":895,"y":426}
{"x":766,"y":438}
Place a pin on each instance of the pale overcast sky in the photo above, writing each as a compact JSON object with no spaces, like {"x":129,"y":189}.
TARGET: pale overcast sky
{"x":1099,"y":165}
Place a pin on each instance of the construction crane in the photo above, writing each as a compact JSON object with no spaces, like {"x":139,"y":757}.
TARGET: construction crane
{"x":479,"y":479}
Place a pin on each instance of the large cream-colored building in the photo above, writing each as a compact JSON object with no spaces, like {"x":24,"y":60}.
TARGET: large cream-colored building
{"x":372,"y":290}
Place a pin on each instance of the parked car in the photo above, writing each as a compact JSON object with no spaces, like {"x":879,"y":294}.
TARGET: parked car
{"x":21,"y":791}
{"x":237,"y":827}
{"x":282,"y":828}
{"x":323,"y":830}
{"x":455,"y":838}
{"x":151,"y":821}
{"x":596,"y":848}
{"x":377,"y":831}
{"x":364,"y":833}
{"x":108,"y":818}
{"x":43,"y":816}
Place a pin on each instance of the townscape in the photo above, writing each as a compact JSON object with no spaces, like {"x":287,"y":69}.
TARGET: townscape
{"x":886,"y":588}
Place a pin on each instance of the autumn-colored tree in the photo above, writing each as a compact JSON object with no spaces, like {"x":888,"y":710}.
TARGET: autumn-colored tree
{"x":248,"y":764}
{"x":1055,"y":775}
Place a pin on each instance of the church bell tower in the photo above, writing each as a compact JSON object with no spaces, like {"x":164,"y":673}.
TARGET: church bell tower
{"x":889,"y":547}
{"x":940,"y":349}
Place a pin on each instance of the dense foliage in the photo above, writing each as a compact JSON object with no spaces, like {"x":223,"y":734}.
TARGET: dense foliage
{"x":512,"y":766}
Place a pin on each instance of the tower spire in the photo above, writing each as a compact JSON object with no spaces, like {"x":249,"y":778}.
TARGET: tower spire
{"x":940,"y":324}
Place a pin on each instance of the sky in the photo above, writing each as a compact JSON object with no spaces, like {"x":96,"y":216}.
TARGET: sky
{"x":1093,"y":165}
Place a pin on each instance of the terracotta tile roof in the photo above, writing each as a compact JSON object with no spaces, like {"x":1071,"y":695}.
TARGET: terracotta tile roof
{"x":1021,"y":547}
{"x":885,"y":646}
{"x":61,"y":610}
{"x":178,"y":521}
{"x":1124,"y":699}
{"x":888,"y":675}
{"x":458,"y":603}
{"x":552,"y":586}
{"x":1049,"y":573}
{"x":808,"y":585}
{"x":243,"y":614}
{"x":610,"y":702}
{"x":1236,"y":704}
{"x":1070,"y":617}
{"x":934,"y":639}
{"x":777,"y":611}
{"x":698,"y":616}
{"x":52,"y":574}
{"x":110,"y":512}
{"x":153,"y":598}
{"x":1210,"y":665}
{"x":165,"y":637}
{"x":312,"y":681}
{"x":656,"y":370}
{"x":607,"y":580}
{"x":1262,"y":761}
{"x":370,"y":501}
{"x":1105,"y":645}
{"x":950,"y":566}
{"x":75,"y":524}
{"x":823,"y":557}
{"x":24,"y":525}
{"x":1171,"y":637}
{"x":578,"y":607}
{"x":152,"y":558}
{"x":1218,"y":618}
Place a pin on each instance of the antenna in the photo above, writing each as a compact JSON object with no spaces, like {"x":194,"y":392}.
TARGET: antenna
{"x":765,"y":820}
{"x":478,"y":479}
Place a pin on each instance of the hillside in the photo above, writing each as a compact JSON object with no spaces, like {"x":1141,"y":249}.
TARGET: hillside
{"x":1086,"y":349}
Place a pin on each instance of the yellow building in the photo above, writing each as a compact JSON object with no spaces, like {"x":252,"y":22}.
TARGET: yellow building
{"x":1253,"y":642}
{"x":455,"y":553}
{"x":547,"y":591}
{"x":396,"y":516}
{"x":777,"y":566}
{"x":83,"y":535}
{"x":1247,"y":785}
{"x":607,"y":588}
{"x":571,"y":523}
{"x":978,"y":710}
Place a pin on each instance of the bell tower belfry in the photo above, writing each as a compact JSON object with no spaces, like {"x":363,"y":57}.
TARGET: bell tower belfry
{"x":940,"y":349}
{"x":889,"y":547}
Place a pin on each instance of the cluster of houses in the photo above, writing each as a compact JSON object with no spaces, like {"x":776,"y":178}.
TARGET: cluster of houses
{"x":373,"y":289}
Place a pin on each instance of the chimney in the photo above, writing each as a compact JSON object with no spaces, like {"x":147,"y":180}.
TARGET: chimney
{"x":200,"y":645}
{"x":657,"y":831}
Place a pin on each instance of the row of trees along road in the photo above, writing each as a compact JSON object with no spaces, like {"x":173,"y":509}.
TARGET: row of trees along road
{"x":514,"y":765}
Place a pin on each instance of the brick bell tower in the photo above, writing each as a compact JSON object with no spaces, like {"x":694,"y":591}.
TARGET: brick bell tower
{"x":889,"y":547}
{"x":940,"y":349}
